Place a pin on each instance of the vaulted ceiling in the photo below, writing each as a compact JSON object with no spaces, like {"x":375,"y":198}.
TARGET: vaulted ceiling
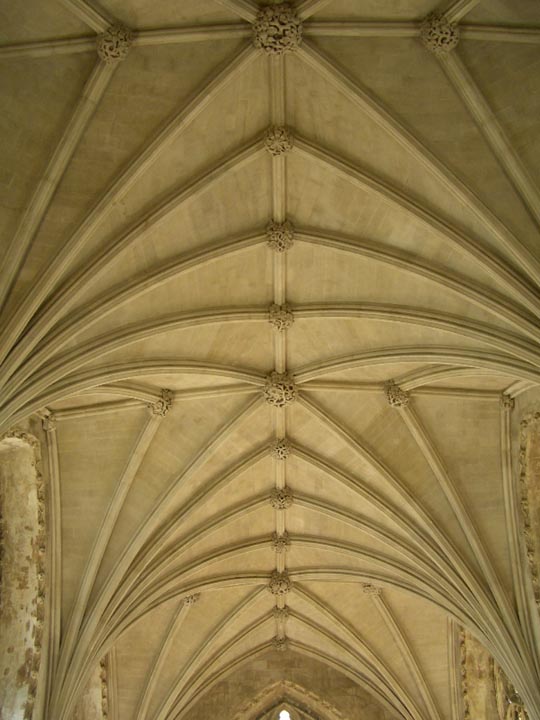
{"x":145,"y":306}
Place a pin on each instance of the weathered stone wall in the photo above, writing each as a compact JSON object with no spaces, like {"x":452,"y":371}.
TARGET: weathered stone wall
{"x":487,"y":692}
{"x":529,"y":487}
{"x":93,"y":703}
{"x":22,"y":589}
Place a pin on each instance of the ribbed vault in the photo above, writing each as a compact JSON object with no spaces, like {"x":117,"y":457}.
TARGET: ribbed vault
{"x":278,"y":314}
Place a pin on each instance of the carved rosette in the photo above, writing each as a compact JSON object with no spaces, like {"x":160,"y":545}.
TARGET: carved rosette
{"x":281,"y":614}
{"x":190,"y":600}
{"x":40,"y":600}
{"x":162,"y":406}
{"x":279,"y":644}
{"x":113,"y":45}
{"x":439,"y":35}
{"x":486,"y":690}
{"x":507,"y":402}
{"x":278,"y":140}
{"x":369,"y":589}
{"x":281,"y":543}
{"x":279,"y":389}
{"x":281,"y":498}
{"x":49,"y":423}
{"x":253,"y":706}
{"x":529,"y":486}
{"x":396,"y":397}
{"x":280,"y":317}
{"x":280,"y":583}
{"x":280,"y":449}
{"x":277,"y":29}
{"x":280,"y":236}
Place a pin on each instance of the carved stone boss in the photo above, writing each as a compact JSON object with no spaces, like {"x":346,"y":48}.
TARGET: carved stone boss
{"x":280,"y":449}
{"x":529,"y":489}
{"x":438,"y":35}
{"x":277,"y":29}
{"x":281,"y":498}
{"x":280,"y":583}
{"x":280,"y":316}
{"x":280,"y":236}
{"x":278,"y":140}
{"x":113,"y":45}
{"x":396,"y":397}
{"x":279,"y":389}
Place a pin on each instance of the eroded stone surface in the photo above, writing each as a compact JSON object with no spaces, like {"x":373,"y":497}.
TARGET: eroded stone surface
{"x":280,"y":449}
